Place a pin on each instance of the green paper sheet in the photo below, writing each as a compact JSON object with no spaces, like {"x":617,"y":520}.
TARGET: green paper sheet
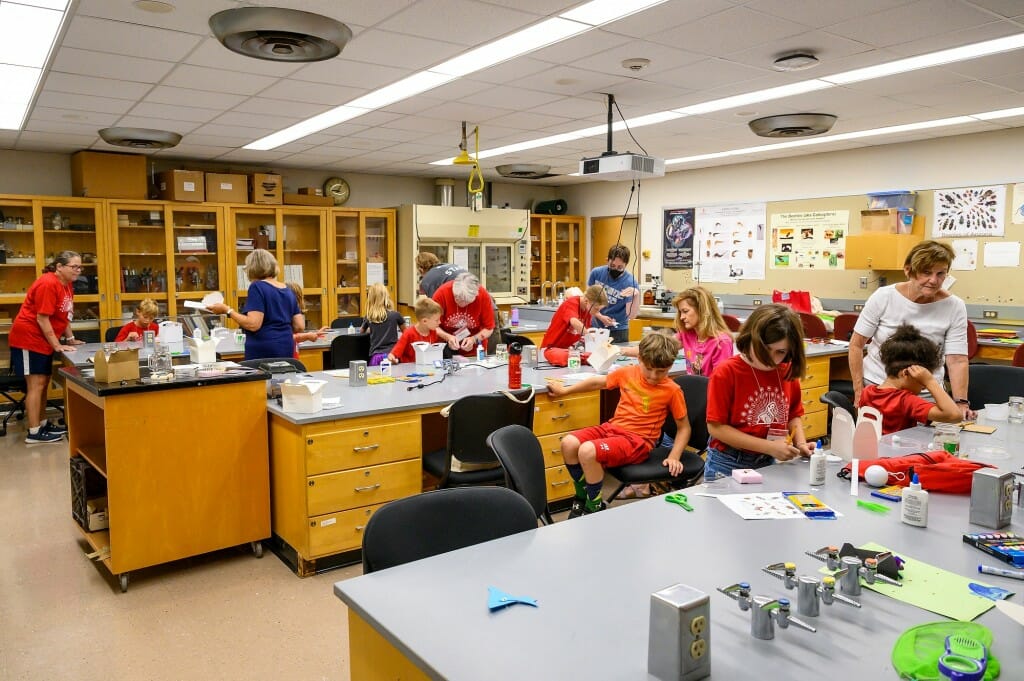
{"x":934,"y":589}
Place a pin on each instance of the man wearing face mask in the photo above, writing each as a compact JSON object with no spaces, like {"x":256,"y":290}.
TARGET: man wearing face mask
{"x":622,"y":291}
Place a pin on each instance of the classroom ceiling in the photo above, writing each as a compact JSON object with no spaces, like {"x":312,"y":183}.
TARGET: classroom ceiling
{"x":117,"y":65}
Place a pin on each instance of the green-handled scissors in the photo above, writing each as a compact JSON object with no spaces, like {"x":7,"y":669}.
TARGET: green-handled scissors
{"x":678,"y":498}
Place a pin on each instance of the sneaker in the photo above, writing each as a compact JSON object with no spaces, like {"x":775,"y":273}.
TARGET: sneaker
{"x":577,"y":509}
{"x":587,"y":511}
{"x":52,"y":427}
{"x":43,"y":435}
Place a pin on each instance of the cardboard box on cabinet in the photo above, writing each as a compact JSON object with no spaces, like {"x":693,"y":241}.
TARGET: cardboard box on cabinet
{"x":307,"y":200}
{"x":226,"y":188}
{"x":181,"y":185}
{"x":108,"y":175}
{"x":266,"y":188}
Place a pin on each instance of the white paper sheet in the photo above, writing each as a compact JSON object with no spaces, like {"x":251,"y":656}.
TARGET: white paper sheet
{"x":966,"y":254}
{"x":761,"y":506}
{"x":1002,"y":254}
{"x":374,"y":273}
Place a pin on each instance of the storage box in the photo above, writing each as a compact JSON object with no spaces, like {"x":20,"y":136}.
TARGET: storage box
{"x":307,"y":200}
{"x":86,"y":483}
{"x":181,"y":185}
{"x":202,"y":351}
{"x":97,"y":513}
{"x":191,"y":244}
{"x":224,"y":188}
{"x":302,"y":397}
{"x":311,"y":191}
{"x":266,"y":188}
{"x":898,"y":200}
{"x":892,"y":220}
{"x":100,"y":174}
{"x":428,"y":353}
{"x":121,"y":365}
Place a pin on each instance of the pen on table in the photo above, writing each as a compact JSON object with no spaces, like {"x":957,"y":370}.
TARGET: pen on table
{"x":989,"y":570}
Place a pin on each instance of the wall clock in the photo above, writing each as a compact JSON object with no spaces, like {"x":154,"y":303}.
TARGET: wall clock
{"x":337,"y":189}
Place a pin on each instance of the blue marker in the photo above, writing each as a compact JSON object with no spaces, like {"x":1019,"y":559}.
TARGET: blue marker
{"x":989,"y":570}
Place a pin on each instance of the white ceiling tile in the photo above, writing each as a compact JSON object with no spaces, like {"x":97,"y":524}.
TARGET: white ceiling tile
{"x":1004,"y":8}
{"x":913,"y":21}
{"x":527,"y":120}
{"x":827,"y":47}
{"x":214,"y":55}
{"x":914,"y":80}
{"x":457,"y":111}
{"x":165,"y":94}
{"x":119,"y":37}
{"x":83,"y":102}
{"x":1013,"y":81}
{"x":359,"y":13}
{"x":733,"y":30}
{"x":410,"y":108}
{"x":74,"y":116}
{"x":403,"y":51}
{"x":250,"y":156}
{"x":386,"y":134}
{"x":188,"y":151}
{"x":584,"y":46}
{"x":668,"y":16}
{"x":229,"y":135}
{"x":663,"y":58}
{"x":510,"y":97}
{"x":216,"y":80}
{"x":819,"y":13}
{"x":255,"y":122}
{"x":510,"y":71}
{"x":174,"y":125}
{"x":280,"y":107}
{"x":709,"y":73}
{"x":541,"y":8}
{"x":311,"y":93}
{"x":990,"y":68}
{"x":956,"y":38}
{"x":376,"y":118}
{"x":420,"y":124}
{"x":465,"y":22}
{"x":98,"y":87}
{"x":191,"y":17}
{"x":174,"y":112}
{"x":354,"y":144}
{"x":966,"y":93}
{"x":568,"y":81}
{"x":352,"y":74}
{"x":116,"y":66}
{"x":30,"y":139}
{"x":36,"y":124}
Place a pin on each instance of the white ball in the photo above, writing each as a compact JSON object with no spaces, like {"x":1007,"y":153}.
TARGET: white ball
{"x":876,"y":476}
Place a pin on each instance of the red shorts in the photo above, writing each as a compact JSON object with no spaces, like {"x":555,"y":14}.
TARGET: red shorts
{"x":615,"y":446}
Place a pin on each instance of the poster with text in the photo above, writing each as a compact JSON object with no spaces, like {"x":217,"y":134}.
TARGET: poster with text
{"x":809,"y":240}
{"x":677,"y":253}
{"x":971,"y":211}
{"x":730,"y":242}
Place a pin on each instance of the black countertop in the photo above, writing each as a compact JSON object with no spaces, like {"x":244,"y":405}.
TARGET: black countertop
{"x":83,"y":378}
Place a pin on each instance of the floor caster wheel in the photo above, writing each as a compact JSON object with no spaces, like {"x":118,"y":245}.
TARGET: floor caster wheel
{"x":123,"y":578}
{"x":257,"y":548}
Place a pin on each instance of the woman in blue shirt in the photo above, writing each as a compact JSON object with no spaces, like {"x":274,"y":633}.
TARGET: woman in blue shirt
{"x":271,"y":314}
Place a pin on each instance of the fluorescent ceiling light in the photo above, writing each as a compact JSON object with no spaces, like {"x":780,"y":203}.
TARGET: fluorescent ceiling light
{"x":983,"y":49}
{"x":1001,"y":113}
{"x":396,"y":92}
{"x":599,"y":12}
{"x":527,"y":40}
{"x":755,"y":97}
{"x":327,"y":119}
{"x":30,"y":31}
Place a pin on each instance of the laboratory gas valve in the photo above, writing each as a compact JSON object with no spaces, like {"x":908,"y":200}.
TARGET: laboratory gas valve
{"x":765,"y":612}
{"x":855,"y":568}
{"x":810,"y":593}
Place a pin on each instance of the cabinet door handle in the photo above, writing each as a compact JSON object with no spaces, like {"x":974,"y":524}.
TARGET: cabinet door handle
{"x":359,"y":528}
{"x":559,"y":483}
{"x":368,"y":488}
{"x":367,"y":448}
{"x":560,"y":418}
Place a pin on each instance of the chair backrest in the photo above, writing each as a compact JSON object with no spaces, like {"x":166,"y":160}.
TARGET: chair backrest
{"x":444,"y":520}
{"x":842,"y":326}
{"x":345,"y":322}
{"x":258,"y":363}
{"x":993,"y":383}
{"x":110,"y":335}
{"x":838,"y":400}
{"x":509,"y":337}
{"x":1018,"y":356}
{"x":732,"y":321}
{"x":695,"y":391}
{"x":813,"y":326}
{"x":349,"y":346}
{"x":522,"y":457}
{"x":972,"y":340}
{"x":474,"y":417}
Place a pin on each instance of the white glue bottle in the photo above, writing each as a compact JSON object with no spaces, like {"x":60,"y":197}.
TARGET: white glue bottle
{"x":914,"y":504}
{"x":817,"y":470}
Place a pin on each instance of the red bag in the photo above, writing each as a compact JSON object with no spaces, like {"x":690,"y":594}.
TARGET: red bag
{"x":559,"y":357}
{"x":937,"y":471}
{"x":800,"y":301}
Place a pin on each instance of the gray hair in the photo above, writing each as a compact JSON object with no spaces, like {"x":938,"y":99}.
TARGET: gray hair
{"x":260,"y":264}
{"x":465,"y":288}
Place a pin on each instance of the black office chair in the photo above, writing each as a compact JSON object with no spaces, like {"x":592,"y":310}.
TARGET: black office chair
{"x":509,"y":337}
{"x":110,"y":335}
{"x":471,"y":420}
{"x":13,"y":388}
{"x":695,"y":390}
{"x":347,"y":347}
{"x":444,"y":520}
{"x":838,"y":400}
{"x":520,"y":454}
{"x":345,"y":322}
{"x":260,"y":363}
{"x":993,"y":383}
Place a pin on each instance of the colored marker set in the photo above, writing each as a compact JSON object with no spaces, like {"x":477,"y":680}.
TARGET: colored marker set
{"x":1006,"y":546}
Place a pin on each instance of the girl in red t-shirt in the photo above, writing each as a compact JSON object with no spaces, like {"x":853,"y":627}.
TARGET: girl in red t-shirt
{"x":754,"y":405}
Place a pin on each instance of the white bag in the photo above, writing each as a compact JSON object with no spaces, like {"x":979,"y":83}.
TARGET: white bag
{"x":595,"y":338}
{"x":171,"y":335}
{"x":428,"y":353}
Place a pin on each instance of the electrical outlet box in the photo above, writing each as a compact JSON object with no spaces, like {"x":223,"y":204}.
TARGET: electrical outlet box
{"x":679,"y":644}
{"x":883,"y":281}
{"x":857,"y":307}
{"x":647,"y":278}
{"x":863,"y":282}
{"x":989,"y":314}
{"x":757,"y":301}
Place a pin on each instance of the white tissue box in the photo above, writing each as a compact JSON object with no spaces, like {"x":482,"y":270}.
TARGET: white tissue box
{"x":428,"y":353}
{"x":202,"y":351}
{"x":302,"y":397}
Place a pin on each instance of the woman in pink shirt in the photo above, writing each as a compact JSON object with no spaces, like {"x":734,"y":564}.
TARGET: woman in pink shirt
{"x":702,"y":332}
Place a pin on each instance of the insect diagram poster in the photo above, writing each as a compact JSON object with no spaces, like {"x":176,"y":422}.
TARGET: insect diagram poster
{"x":809,"y":240}
{"x":972,"y":211}
{"x":730,"y":242}
{"x":678,"y":233}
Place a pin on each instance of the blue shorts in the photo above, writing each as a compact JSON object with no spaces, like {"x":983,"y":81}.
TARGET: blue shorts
{"x":26,"y":362}
{"x":724,"y":462}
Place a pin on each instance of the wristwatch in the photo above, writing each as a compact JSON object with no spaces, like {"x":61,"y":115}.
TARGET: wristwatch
{"x":963,"y":400}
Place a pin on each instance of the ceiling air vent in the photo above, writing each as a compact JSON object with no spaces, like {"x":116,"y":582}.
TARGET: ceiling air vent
{"x":278,"y":34}
{"x":793,"y":125}
{"x":140,"y":138}
{"x":524,"y":171}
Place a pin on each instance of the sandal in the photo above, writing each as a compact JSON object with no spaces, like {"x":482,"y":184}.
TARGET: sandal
{"x":636,"y":492}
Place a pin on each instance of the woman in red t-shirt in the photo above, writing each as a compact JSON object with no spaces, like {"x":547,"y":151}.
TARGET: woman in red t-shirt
{"x":39,"y":330}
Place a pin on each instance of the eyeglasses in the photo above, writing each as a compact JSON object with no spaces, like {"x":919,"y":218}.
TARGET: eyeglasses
{"x":74,"y":267}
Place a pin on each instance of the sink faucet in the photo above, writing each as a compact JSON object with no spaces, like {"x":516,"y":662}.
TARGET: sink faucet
{"x":543,"y":299}
{"x":557,"y":296}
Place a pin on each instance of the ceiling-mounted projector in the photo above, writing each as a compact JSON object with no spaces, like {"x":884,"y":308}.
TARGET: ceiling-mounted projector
{"x":622,"y":167}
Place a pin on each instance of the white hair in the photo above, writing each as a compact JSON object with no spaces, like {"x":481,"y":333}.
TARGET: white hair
{"x":465,"y":288}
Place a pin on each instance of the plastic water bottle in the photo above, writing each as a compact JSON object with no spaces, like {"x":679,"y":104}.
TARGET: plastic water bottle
{"x":514,"y":317}
{"x":574,"y":358}
{"x":817,"y":472}
{"x":351,"y":328}
{"x":481,"y":352}
{"x":515,"y":369}
{"x":385,"y":367}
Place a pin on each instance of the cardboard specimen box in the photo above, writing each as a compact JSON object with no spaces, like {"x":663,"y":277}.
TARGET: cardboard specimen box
{"x":105,"y":175}
{"x":266,"y":188}
{"x":225,"y":188}
{"x":121,"y":365}
{"x":181,"y":185}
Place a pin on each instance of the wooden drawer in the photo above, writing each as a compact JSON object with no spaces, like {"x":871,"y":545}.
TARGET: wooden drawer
{"x":811,"y":399}
{"x":559,"y":414}
{"x":815,"y":425}
{"x":559,"y":483}
{"x":337,"y":532}
{"x":362,"y":487}
{"x":552,"y":448}
{"x":376,"y":441}
{"x":816,"y":374}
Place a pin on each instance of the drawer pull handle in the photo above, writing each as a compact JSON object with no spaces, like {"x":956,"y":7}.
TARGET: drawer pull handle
{"x":359,"y":528}
{"x":368,"y":488}
{"x":556,"y":451}
{"x":367,"y":448}
{"x":560,"y":483}
{"x":560,"y":418}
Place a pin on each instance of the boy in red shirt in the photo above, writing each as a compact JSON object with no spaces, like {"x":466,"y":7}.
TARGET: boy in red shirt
{"x":572,"y":318}
{"x":428,"y":318}
{"x":646,"y":395}
{"x":145,"y":313}
{"x":909,"y":360}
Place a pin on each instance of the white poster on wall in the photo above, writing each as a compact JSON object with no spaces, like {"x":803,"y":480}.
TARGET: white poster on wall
{"x":1002,"y":254}
{"x":809,"y":240}
{"x":1018,"y":204}
{"x":730,"y":242}
{"x":966,"y":254}
{"x":970,"y":211}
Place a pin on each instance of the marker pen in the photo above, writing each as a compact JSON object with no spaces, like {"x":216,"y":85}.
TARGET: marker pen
{"x":988,"y":570}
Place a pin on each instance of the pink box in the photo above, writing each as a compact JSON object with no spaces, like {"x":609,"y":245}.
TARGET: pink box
{"x":746,"y":475}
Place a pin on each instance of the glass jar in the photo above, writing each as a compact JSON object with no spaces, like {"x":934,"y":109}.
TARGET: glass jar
{"x":1016,"y":409}
{"x":946,"y":437}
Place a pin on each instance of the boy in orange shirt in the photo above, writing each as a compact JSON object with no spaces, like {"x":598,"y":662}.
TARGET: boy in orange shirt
{"x":646,"y":395}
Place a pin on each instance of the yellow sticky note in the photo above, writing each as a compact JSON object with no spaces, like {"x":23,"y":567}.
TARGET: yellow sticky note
{"x":474,"y":230}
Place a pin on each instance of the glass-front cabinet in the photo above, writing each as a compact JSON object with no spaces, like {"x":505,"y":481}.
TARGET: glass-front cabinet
{"x":363,"y":253}
{"x":557,"y":249}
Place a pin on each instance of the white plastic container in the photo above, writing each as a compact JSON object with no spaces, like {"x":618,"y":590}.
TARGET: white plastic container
{"x":171,"y":335}
{"x":817,"y":469}
{"x":302,"y":397}
{"x":914,"y":504}
{"x":842,"y":434}
{"x":427,"y":353}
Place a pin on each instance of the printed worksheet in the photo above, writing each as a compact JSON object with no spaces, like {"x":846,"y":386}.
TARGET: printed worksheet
{"x":761,"y":506}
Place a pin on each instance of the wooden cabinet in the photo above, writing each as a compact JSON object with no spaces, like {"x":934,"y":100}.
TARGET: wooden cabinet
{"x":362,"y":248}
{"x":557,"y":250}
{"x":881,"y":250}
{"x":555,"y":417}
{"x":814,"y":384}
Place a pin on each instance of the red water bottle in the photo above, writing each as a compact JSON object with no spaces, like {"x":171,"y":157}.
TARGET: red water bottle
{"x":515,"y":369}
